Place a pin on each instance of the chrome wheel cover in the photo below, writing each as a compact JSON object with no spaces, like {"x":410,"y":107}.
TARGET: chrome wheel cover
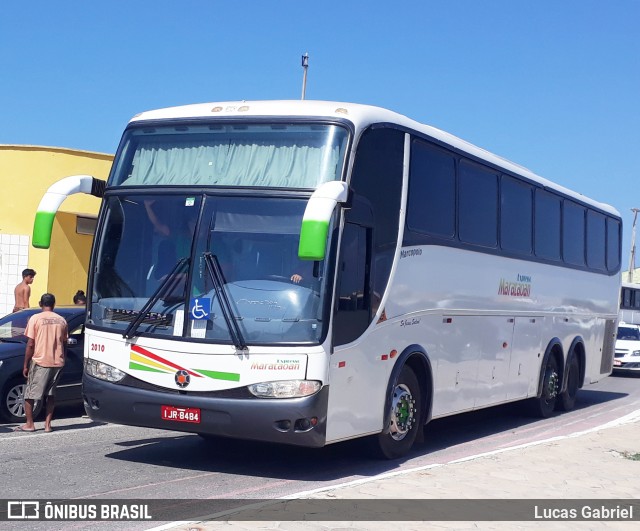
{"x":403,"y":412}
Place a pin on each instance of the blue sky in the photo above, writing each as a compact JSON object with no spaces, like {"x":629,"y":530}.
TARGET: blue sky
{"x":553,"y":85}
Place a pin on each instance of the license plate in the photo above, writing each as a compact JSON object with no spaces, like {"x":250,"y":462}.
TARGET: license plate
{"x":180,"y":414}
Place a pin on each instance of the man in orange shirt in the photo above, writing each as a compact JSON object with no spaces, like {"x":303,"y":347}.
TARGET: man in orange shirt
{"x":43,"y":360}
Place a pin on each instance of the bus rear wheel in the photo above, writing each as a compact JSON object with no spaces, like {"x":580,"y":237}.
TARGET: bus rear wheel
{"x":568,"y":398}
{"x":404,"y":417}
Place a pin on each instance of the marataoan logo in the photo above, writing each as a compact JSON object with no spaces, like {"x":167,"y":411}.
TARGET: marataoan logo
{"x":279,"y":365}
{"x":521,"y":288}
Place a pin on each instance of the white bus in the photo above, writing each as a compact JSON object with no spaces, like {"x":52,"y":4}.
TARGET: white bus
{"x":310,"y":272}
{"x":630,"y":303}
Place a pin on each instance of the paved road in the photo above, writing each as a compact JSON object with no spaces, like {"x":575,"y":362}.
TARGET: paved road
{"x":82,"y":459}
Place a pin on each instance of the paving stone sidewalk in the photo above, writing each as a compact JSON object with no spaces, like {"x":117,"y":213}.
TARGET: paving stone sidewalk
{"x":596,"y":465}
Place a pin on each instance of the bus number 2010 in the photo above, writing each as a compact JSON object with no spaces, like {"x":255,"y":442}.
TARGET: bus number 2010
{"x":97,"y":347}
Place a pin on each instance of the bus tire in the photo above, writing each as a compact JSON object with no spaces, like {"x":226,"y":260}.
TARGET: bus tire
{"x":568,"y":398}
{"x":544,"y":405}
{"x":404,"y":418}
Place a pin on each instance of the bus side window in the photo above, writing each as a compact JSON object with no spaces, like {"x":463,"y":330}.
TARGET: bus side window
{"x":626,"y":298}
{"x":353,"y":309}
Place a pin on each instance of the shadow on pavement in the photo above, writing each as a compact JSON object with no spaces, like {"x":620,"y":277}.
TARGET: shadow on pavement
{"x":337,"y":461}
{"x":65,"y":413}
{"x":8,"y":428}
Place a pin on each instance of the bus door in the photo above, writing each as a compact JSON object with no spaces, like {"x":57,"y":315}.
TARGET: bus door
{"x":358,"y":377}
{"x":351,"y":367}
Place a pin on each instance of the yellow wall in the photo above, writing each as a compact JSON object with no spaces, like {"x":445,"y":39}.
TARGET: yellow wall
{"x":26,"y":172}
{"x":68,"y":259}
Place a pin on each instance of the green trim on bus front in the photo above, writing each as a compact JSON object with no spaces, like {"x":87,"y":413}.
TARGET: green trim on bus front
{"x":313,"y":239}
{"x":139,"y":367}
{"x":42,"y":228}
{"x":216,"y":375}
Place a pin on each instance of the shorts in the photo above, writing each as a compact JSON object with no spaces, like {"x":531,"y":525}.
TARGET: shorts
{"x":41,"y":382}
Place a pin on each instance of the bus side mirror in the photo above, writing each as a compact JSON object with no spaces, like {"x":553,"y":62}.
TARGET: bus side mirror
{"x":317,"y":215}
{"x":53,"y":198}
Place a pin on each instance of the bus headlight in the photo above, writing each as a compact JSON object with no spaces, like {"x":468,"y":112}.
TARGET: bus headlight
{"x":102,"y":371}
{"x":285,"y":389}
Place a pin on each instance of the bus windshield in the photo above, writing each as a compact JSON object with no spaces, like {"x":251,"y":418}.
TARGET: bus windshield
{"x":255,"y":155}
{"x":152,"y":259}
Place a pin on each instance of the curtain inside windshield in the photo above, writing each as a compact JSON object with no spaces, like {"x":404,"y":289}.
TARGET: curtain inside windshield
{"x":283,"y":156}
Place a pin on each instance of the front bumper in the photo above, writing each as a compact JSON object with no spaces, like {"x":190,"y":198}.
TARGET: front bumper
{"x":627,"y":363}
{"x":269,"y":420}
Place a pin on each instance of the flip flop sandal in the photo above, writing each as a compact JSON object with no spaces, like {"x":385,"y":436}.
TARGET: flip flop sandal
{"x":20,"y":428}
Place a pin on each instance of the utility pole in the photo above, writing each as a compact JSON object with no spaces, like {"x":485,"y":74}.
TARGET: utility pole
{"x":305,"y":66}
{"x":632,"y":257}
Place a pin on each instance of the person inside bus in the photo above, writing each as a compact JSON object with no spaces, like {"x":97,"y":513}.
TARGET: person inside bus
{"x":304,"y":272}
{"x":241,"y":258}
{"x":179,"y":228}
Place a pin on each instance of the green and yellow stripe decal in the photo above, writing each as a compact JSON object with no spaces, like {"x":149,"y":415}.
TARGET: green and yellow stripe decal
{"x":141,"y":359}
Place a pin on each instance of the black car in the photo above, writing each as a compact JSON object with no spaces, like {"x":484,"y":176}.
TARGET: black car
{"x":12,"y":346}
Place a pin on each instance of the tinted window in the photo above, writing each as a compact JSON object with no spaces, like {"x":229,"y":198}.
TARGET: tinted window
{"x":353,"y":304}
{"x":547,"y":225}
{"x":516,"y":216}
{"x":573,"y":233}
{"x":478,"y":206}
{"x":596,"y":247}
{"x":432,"y":191}
{"x":626,"y":298}
{"x":377,"y":180}
{"x":613,"y":244}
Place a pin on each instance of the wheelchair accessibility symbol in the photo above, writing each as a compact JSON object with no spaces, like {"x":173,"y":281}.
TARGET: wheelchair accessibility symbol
{"x":200,"y":308}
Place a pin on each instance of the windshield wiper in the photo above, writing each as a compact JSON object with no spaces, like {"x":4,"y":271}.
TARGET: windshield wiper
{"x":165,"y":287}
{"x":213,"y":266}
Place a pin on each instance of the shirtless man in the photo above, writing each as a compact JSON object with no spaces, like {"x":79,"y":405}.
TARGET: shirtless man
{"x":23,"y":290}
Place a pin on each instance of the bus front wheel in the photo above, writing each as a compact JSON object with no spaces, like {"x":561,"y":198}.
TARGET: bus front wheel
{"x":404,"y":417}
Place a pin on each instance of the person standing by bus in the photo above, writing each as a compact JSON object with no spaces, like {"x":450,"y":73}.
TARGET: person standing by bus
{"x":79,"y":299}
{"x":23,"y":290}
{"x":43,"y":360}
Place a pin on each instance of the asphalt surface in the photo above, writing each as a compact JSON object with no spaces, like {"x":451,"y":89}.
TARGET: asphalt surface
{"x":90,"y":461}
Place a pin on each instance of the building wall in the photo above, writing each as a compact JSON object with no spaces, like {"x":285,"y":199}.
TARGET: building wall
{"x":68,"y":258}
{"x":26,"y":172}
{"x":635,"y":276}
